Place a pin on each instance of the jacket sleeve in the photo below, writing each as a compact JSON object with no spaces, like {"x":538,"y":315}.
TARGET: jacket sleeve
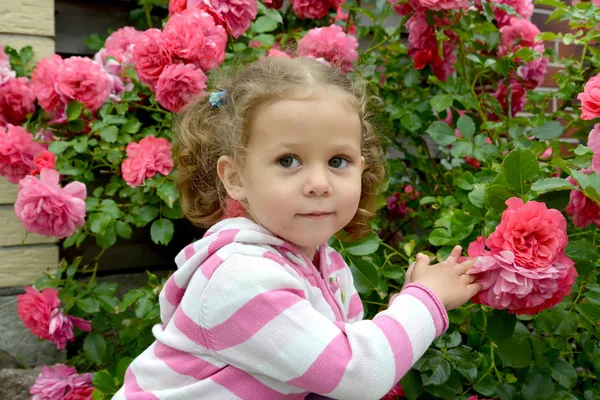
{"x":254,"y":316}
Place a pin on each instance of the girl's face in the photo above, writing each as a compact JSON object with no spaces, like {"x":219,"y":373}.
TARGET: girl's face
{"x":302,"y":176}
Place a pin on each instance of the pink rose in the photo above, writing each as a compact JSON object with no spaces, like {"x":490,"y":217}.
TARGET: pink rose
{"x":81,"y":393}
{"x":194,"y":37}
{"x":524,"y":9}
{"x":6,"y":71}
{"x":83,"y":80}
{"x":177,"y":6}
{"x":237,"y":14}
{"x":518,"y":96}
{"x":178,"y":84}
{"x":145,"y":159}
{"x":120,"y":44}
{"x":534,"y":71}
{"x":594,"y":145}
{"x":35,"y":309}
{"x":59,"y":382}
{"x":314,"y":9}
{"x":332,"y":44}
{"x":442,"y":5}
{"x":397,"y":392}
{"x":582,"y":210}
{"x":151,"y":55}
{"x":44,"y":83}
{"x":508,"y":285}
{"x":43,"y":160}
{"x":47,"y":209}
{"x":517,"y":34}
{"x":17,"y":150}
{"x":590,"y":99}
{"x":277,"y":4}
{"x":16,"y":100}
{"x":275,"y":52}
{"x":535,"y":234}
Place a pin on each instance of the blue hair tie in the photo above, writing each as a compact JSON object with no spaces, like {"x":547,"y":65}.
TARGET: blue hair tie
{"x":217,"y":98}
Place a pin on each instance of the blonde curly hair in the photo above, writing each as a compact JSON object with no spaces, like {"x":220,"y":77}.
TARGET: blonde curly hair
{"x":204,"y":133}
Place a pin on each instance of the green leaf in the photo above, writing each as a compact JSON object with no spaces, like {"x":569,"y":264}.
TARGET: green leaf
{"x":94,"y":347}
{"x":439,"y":374}
{"x":107,"y":238}
{"x":581,"y":252}
{"x":411,"y":383}
{"x":76,"y":126}
{"x":365,"y":273}
{"x":485,"y":387}
{"x":266,"y":39}
{"x":264,"y":24}
{"x":143,"y":306}
{"x":58,"y":147}
{"x":506,"y":392}
{"x":449,"y":340}
{"x":122,"y":368}
{"x":273,"y":14}
{"x":74,"y":109}
{"x":590,"y":311}
{"x":109,"y":133}
{"x":477,"y":196}
{"x":551,"y":184}
{"x":132,"y":126}
{"x":162,"y":231}
{"x":462,"y":149}
{"x":501,"y":325}
{"x":520,"y":166}
{"x":363,"y":247}
{"x":98,"y":222}
{"x":441,"y":102}
{"x":104,"y":381}
{"x":168,"y":193}
{"x":110,"y":207}
{"x":115,"y":120}
{"x":538,"y":387}
{"x":124,"y":229}
{"x":88,"y":305}
{"x":143,"y":215}
{"x":440,"y":237}
{"x":441,"y":133}
{"x":564,"y":373}
{"x":97,"y":394}
{"x":515,"y":351}
{"x":548,"y":130}
{"x":466,"y":127}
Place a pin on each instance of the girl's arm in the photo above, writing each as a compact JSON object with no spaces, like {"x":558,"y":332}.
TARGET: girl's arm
{"x":254,"y":316}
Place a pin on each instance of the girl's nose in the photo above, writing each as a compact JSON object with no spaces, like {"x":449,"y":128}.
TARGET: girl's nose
{"x":317,"y":183}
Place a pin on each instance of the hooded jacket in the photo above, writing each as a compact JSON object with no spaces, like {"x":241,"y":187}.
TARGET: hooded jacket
{"x":248,"y":316}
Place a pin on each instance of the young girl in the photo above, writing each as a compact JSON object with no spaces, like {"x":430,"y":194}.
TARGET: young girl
{"x":261,"y":307}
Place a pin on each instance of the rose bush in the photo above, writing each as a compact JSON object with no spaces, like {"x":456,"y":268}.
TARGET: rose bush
{"x":478,"y":156}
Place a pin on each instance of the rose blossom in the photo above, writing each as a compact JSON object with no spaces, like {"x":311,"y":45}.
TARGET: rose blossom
{"x":518,"y":97}
{"x":397,"y":392}
{"x":177,"y":6}
{"x":16,"y":101}
{"x":6,"y":71}
{"x":81,"y":393}
{"x":442,"y":5}
{"x":535,"y":234}
{"x":40,"y":313}
{"x":59,"y":382}
{"x":275,"y":52}
{"x":83,"y":80}
{"x":151,"y":55}
{"x":507,"y":284}
{"x":237,"y":14}
{"x":590,"y":99}
{"x":47,"y":209}
{"x":332,"y":44}
{"x":17,"y":150}
{"x":44,"y":83}
{"x":524,"y":9}
{"x":314,"y":9}
{"x":276,"y":4}
{"x":145,"y":159}
{"x":195,"y":38}
{"x":582,"y":210}
{"x":517,"y":34}
{"x":45,"y":159}
{"x":177,"y":84}
{"x":594,"y":145}
{"x":120,"y":44}
{"x":534,"y":71}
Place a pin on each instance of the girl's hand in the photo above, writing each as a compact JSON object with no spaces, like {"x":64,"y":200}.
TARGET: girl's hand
{"x":449,"y":279}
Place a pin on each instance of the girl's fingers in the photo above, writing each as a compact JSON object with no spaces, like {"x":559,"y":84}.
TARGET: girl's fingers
{"x":409,"y":273}
{"x":468,"y":279}
{"x":474,"y":288}
{"x":422,"y":260}
{"x":454,"y":255}
{"x":465,"y":266}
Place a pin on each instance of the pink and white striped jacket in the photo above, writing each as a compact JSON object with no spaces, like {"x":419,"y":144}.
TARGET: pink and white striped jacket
{"x":248,"y":316}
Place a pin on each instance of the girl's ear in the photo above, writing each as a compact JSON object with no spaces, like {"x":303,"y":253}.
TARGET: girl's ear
{"x":230,"y":175}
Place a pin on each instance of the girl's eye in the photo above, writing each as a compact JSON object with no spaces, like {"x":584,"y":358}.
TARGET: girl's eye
{"x":338,"y":162}
{"x":289,"y":162}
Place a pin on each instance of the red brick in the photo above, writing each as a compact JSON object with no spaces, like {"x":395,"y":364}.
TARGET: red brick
{"x":549,"y":77}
